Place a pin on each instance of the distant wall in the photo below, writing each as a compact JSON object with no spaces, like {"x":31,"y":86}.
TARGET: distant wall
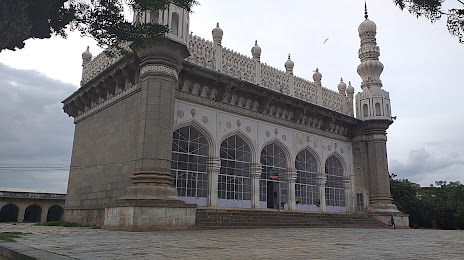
{"x":31,"y":206}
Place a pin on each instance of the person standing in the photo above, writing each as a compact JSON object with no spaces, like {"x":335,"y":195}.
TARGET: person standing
{"x":392,"y":222}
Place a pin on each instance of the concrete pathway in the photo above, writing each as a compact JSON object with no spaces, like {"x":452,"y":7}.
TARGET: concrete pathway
{"x":281,"y":243}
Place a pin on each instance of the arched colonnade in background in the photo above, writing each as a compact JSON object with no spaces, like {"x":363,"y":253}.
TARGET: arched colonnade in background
{"x":21,"y":210}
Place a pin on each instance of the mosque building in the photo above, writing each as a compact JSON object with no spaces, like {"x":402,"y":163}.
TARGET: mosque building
{"x":186,"y":123}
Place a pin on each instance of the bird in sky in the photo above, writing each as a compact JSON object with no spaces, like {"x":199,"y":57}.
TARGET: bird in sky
{"x":326,"y":40}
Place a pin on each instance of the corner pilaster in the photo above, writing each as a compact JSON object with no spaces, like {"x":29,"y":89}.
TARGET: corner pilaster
{"x":150,"y":203}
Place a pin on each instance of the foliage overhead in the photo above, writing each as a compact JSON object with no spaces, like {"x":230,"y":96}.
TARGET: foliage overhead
{"x":102,"y":20}
{"x":433,"y":10}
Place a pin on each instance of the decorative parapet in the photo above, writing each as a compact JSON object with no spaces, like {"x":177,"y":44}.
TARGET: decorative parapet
{"x":334,"y":101}
{"x":98,"y":64}
{"x":213,"y":56}
{"x":274,"y":79}
{"x":238,"y":66}
{"x":307,"y":91}
{"x":202,"y":52}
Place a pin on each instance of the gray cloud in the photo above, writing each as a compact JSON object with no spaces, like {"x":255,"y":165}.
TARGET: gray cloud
{"x":34,"y":131}
{"x":425,"y":165}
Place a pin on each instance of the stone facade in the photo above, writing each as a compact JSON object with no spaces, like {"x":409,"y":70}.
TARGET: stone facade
{"x":224,"y":130}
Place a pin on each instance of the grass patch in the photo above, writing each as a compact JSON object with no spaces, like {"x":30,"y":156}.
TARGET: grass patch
{"x":10,"y":236}
{"x":59,"y":223}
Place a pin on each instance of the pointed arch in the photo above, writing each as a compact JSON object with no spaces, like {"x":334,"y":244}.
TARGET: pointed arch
{"x":190,"y":150}
{"x":313,"y":152}
{"x":32,"y":213}
{"x":273,"y":181}
{"x":234,"y":179}
{"x":340,"y":158}
{"x":55,"y":213}
{"x":284,"y":148}
{"x":306,"y":185}
{"x":238,"y":132}
{"x":335,"y":196}
{"x":209,"y":137}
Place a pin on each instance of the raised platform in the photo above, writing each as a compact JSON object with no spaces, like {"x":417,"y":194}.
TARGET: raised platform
{"x":207,"y":218}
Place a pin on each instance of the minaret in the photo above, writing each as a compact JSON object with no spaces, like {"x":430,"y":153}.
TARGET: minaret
{"x":373,"y":108}
{"x":373,"y":102}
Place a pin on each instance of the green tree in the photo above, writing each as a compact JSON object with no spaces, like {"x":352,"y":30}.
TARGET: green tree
{"x":405,"y":197}
{"x":102,"y":20}
{"x":433,"y":10}
{"x":449,"y":205}
{"x":440,"y":206}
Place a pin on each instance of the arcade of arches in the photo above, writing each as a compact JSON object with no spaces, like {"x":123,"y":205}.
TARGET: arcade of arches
{"x":31,"y":207}
{"x":236,"y":179}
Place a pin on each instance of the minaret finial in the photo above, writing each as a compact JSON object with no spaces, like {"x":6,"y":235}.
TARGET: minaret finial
{"x":365,"y":10}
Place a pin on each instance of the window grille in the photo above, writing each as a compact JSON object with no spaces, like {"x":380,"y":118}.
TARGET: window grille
{"x":307,"y":192}
{"x":334,"y":191}
{"x":360,"y":202}
{"x":234,"y":183}
{"x":188,"y":165}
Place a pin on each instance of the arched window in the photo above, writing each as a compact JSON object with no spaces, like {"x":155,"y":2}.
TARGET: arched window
{"x":9,"y":213}
{"x":175,"y":24}
{"x":155,"y":17}
{"x":378,"y":111}
{"x":273,"y":185}
{"x":234,"y":183}
{"x":334,"y":191}
{"x":307,"y":193}
{"x":32,"y":213}
{"x":55,"y":213}
{"x":365,"y":110}
{"x":188,"y":165}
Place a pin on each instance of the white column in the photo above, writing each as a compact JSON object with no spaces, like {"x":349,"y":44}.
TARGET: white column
{"x":321,"y":181}
{"x":214,"y":167}
{"x":348,"y":198}
{"x":291,"y":178}
{"x":255,"y":174}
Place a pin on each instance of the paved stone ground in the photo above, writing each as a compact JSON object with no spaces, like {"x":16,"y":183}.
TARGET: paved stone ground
{"x":279,"y":243}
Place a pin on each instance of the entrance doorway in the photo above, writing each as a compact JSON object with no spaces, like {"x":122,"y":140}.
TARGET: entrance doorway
{"x":273,"y":184}
{"x":276,"y":195}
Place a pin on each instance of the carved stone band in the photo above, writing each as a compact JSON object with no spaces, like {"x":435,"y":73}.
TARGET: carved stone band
{"x":159,"y":68}
{"x":368,"y":138}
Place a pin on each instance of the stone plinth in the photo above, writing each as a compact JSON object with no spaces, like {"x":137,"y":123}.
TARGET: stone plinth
{"x":149,"y":215}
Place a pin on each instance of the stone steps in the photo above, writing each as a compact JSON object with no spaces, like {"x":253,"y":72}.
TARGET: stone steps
{"x":243,"y":218}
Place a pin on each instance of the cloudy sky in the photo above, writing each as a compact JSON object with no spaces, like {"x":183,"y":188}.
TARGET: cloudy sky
{"x":422,"y":73}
